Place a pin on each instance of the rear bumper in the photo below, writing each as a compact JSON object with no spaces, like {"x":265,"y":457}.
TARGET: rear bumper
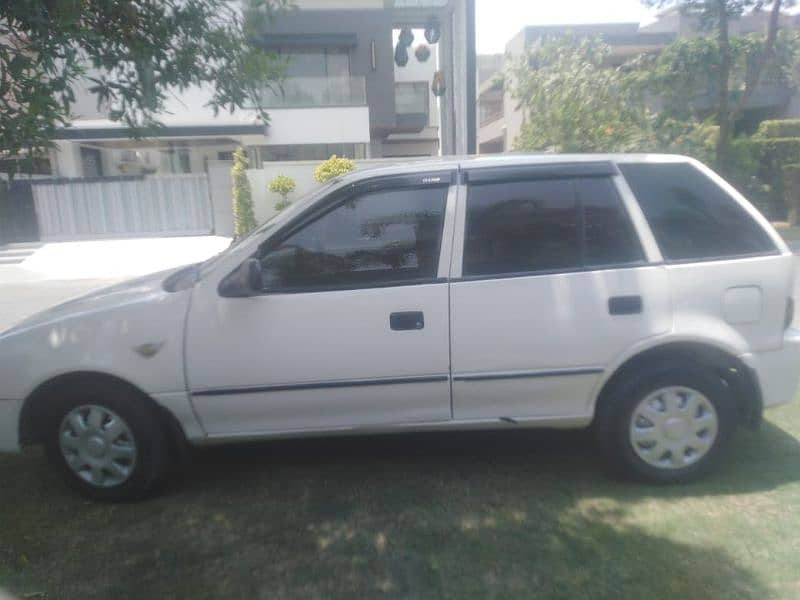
{"x":778,"y":370}
{"x":9,"y":425}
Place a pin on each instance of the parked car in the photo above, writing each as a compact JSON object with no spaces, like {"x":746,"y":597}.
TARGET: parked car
{"x":641,"y":295}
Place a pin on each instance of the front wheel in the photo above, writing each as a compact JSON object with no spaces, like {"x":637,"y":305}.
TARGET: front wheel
{"x":671,"y":424}
{"x":108,"y":443}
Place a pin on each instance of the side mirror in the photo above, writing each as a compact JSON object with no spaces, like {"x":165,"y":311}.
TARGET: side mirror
{"x":245,"y":281}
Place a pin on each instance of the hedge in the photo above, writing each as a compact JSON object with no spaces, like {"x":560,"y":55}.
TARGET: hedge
{"x":779,"y":128}
{"x":776,"y":152}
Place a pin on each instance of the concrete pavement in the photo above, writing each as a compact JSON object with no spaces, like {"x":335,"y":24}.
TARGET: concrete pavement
{"x":58,"y":272}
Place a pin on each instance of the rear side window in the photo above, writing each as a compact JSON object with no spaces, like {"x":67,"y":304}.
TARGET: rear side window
{"x":609,"y":238}
{"x":691,"y":217}
{"x":522,"y":226}
{"x":546,"y":225}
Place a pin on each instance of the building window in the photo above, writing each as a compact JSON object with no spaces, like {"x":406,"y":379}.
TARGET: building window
{"x":306,"y":152}
{"x":325,"y":62}
{"x":175,"y":160}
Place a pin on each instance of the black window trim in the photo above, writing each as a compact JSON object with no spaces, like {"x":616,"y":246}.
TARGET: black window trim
{"x":565,"y":170}
{"x":643,"y":262}
{"x":419,"y":180}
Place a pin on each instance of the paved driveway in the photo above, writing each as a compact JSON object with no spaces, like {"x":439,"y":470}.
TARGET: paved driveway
{"x":57,"y":272}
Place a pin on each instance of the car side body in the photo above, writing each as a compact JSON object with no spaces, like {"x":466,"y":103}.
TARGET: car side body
{"x":460,"y":344}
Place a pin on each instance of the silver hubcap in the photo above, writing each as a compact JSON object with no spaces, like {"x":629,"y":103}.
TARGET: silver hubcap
{"x":98,"y":445}
{"x":673,"y":427}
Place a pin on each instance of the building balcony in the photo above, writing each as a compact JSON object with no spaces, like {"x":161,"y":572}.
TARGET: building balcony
{"x":308,"y":92}
{"x":412,"y":105}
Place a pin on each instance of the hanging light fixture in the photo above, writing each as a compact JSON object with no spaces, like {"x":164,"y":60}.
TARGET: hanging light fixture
{"x":406,"y":36}
{"x":423,"y":53}
{"x":401,"y":55}
{"x":439,"y":85}
{"x":433,"y":31}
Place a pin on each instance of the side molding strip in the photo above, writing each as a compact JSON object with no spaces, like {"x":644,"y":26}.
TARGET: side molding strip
{"x":316,"y":385}
{"x":527,"y":374}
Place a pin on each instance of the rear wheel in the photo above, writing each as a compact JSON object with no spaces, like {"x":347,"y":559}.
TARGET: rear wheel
{"x":108,"y":442}
{"x":668,"y":424}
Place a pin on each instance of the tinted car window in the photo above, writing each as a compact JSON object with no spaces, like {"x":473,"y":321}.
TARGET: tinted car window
{"x":377,"y":238}
{"x":525,"y":226}
{"x":609,"y":237}
{"x":691,"y":217}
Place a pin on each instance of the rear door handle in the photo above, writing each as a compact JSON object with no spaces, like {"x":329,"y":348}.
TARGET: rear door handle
{"x":405,"y":321}
{"x":625,"y":305}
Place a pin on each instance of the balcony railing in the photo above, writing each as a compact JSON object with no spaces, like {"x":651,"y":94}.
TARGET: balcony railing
{"x":411,"y":97}
{"x":412,"y":105}
{"x":304,"y":92}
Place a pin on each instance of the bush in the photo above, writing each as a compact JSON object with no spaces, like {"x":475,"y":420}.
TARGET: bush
{"x":779,"y":128}
{"x":283,"y":185}
{"x":791,"y":193}
{"x":335,"y":166}
{"x":772,"y":155}
{"x":244,"y":218}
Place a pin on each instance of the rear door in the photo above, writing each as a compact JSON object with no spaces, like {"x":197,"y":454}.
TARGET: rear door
{"x":551,"y":282}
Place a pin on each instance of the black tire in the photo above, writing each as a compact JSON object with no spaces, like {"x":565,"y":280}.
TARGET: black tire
{"x":619,"y":403}
{"x":142,"y":419}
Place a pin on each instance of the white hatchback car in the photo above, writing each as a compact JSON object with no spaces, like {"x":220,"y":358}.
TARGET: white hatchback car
{"x":638,"y":294}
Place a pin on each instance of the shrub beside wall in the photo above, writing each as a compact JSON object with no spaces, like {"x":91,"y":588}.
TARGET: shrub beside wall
{"x":283,"y":186}
{"x":335,"y":166}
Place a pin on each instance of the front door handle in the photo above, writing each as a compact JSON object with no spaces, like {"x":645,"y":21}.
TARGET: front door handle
{"x":625,"y":305}
{"x":406,"y":321}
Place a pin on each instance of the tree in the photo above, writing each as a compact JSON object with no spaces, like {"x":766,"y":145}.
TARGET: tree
{"x":335,"y":166}
{"x":131,"y":54}
{"x":717,"y":15}
{"x":283,"y":185}
{"x":244,"y":218}
{"x":573,"y":102}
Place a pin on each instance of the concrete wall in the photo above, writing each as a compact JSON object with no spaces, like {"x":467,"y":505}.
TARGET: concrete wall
{"x":325,"y":125}
{"x":220,"y":184}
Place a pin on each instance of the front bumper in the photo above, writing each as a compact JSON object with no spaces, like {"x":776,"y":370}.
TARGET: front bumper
{"x":778,"y":370}
{"x":9,"y":425}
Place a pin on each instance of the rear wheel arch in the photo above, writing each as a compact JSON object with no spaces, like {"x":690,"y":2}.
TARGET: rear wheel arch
{"x":741,"y":380}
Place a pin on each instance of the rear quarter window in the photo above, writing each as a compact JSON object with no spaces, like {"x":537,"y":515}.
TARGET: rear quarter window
{"x":691,"y":216}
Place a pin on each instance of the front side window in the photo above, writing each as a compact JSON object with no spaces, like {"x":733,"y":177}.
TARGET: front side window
{"x":376,"y":238}
{"x":691,"y":216}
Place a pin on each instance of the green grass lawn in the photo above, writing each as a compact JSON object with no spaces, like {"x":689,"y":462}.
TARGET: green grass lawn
{"x":500,"y":515}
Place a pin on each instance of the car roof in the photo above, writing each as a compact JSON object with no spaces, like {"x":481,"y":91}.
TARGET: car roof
{"x":469,"y":163}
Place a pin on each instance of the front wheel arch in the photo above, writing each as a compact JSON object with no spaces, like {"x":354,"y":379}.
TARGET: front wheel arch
{"x":37,"y":408}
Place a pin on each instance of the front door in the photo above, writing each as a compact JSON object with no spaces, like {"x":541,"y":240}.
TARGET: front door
{"x":554,"y":285}
{"x":352,"y":328}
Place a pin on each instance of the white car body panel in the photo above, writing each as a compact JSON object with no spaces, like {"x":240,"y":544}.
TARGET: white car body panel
{"x":305,"y":341}
{"x":541,"y":324}
{"x":327,"y":363}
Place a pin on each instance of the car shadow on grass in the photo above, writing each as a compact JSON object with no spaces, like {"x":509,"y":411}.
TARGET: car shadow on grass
{"x":756,"y":462}
{"x":446,"y":515}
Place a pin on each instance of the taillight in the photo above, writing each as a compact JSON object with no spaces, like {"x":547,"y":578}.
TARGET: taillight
{"x":787,"y":322}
